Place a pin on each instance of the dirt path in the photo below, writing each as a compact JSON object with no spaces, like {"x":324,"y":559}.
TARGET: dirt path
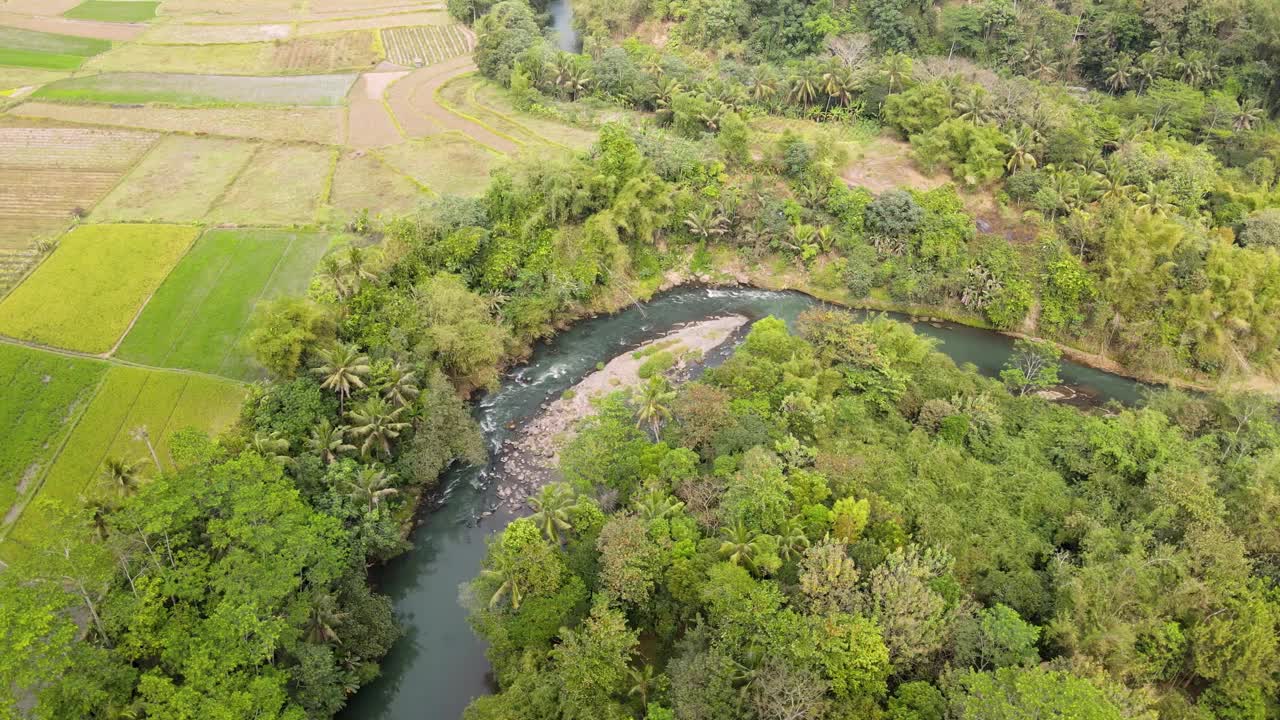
{"x":413,"y":102}
{"x":369,"y":123}
{"x":530,"y":460}
{"x":119,"y":32}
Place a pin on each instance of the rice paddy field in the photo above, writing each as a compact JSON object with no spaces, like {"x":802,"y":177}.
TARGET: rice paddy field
{"x":199,"y":317}
{"x":127,"y":398}
{"x":446,"y":163}
{"x":425,"y":44}
{"x":281,"y":185}
{"x":321,"y":125}
{"x":48,"y":51}
{"x":180,"y":179}
{"x":85,"y":295}
{"x":198,"y":90}
{"x":42,"y":395}
{"x":129,"y":11}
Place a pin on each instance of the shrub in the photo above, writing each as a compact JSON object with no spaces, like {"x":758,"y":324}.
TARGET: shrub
{"x":894,"y":213}
{"x":1262,"y":229}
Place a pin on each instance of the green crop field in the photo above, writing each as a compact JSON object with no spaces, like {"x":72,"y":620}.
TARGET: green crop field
{"x":47,"y":51}
{"x":179,"y":180}
{"x":89,"y":290}
{"x":180,"y":89}
{"x":114,"y":10}
{"x":199,"y":316}
{"x":128,"y":398}
{"x":282,"y":185}
{"x":40,"y":396}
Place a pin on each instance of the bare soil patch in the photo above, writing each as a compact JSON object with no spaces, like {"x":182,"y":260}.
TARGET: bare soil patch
{"x":413,"y":100}
{"x":886,"y":164}
{"x":368,"y":122}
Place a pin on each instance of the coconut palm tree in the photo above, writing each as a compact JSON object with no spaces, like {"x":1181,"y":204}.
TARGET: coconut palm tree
{"x":400,"y":388}
{"x":342,"y":370}
{"x":122,"y":475}
{"x":657,"y":505}
{"x":271,"y":446}
{"x":100,"y":508}
{"x":653,"y":404}
{"x":712,"y":115}
{"x":973,"y":105}
{"x":706,"y":222}
{"x":551,"y":508}
{"x":329,"y":441}
{"x":323,"y":619}
{"x":377,"y":424}
{"x":896,"y":71}
{"x":791,"y":539}
{"x":763,"y":85}
{"x":336,"y":273}
{"x":839,"y":85}
{"x":1146,"y":70}
{"x":805,"y":84}
{"x":739,"y":546}
{"x":357,"y":265}
{"x":1020,"y":150}
{"x":371,"y":486}
{"x":508,"y":586}
{"x":642,"y":683}
{"x":1155,"y":199}
{"x":1248,"y":116}
{"x":1119,"y":73}
{"x":140,"y":434}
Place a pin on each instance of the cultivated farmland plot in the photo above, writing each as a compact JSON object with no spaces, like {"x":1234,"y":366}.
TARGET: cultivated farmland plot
{"x":363,"y":182}
{"x":129,"y":398}
{"x":197,"y":90}
{"x":27,"y":48}
{"x":425,"y":44}
{"x":199,"y":317}
{"x":186,"y":34}
{"x":282,"y":185}
{"x":448,"y":162}
{"x":41,"y":395}
{"x":177,"y":181}
{"x":89,"y":290}
{"x":114,"y":10}
{"x":303,"y":124}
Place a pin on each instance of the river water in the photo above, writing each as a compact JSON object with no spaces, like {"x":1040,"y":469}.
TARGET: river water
{"x":438,"y":667}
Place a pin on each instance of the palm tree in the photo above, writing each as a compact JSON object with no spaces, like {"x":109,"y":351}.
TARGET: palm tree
{"x":343,"y":369}
{"x":1119,"y":73}
{"x":791,"y":539}
{"x":1020,"y":153}
{"x":508,"y":584}
{"x":805,"y":83}
{"x":974,"y":105}
{"x":400,"y":387}
{"x":763,"y":85}
{"x":642,"y":682}
{"x":323,"y":618}
{"x":329,"y":441}
{"x":378,"y":424}
{"x":100,"y":508}
{"x":896,"y":71}
{"x":657,"y":505}
{"x":371,"y":486}
{"x":1146,"y":70}
{"x":121,"y":474}
{"x":653,"y":404}
{"x":271,"y":446}
{"x":739,"y":546}
{"x":706,"y":222}
{"x":1154,"y":199}
{"x":336,"y":273}
{"x":1248,"y":116}
{"x":1112,"y":184}
{"x":551,"y":508}
{"x":140,"y":434}
{"x":712,"y":115}
{"x":839,"y":85}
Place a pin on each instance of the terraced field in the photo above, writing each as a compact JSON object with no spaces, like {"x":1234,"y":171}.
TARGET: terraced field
{"x":48,"y":51}
{"x":301,"y":124}
{"x":326,"y":54}
{"x":89,"y":290}
{"x":41,"y":395}
{"x":282,"y":185}
{"x":178,"y":181}
{"x":425,"y":44}
{"x":198,"y":90}
{"x":128,"y":398}
{"x":200,"y":315}
{"x":364,"y":182}
{"x":445,"y":163}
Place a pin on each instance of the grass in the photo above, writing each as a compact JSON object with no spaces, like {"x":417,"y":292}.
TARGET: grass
{"x":42,"y":393}
{"x":113,"y":10}
{"x":199,"y":317}
{"x":362,"y":181}
{"x":127,"y":398}
{"x":85,"y":295}
{"x":180,"y":179}
{"x":182,"y":90}
{"x":282,"y":185}
{"x":47,"y":51}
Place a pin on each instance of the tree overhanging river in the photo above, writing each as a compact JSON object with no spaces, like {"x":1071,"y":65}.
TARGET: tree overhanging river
{"x":439,"y":665}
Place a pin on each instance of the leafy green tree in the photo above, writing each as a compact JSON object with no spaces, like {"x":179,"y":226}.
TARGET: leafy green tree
{"x":1033,"y":366}
{"x":1028,"y":692}
{"x":285,"y":331}
{"x":590,"y":665}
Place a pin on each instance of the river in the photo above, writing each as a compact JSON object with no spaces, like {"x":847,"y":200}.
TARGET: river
{"x":439,"y":665}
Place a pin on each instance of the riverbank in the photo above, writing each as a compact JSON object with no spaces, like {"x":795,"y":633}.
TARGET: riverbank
{"x":531,"y":459}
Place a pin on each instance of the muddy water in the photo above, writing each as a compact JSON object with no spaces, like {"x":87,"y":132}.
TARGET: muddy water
{"x":439,"y":665}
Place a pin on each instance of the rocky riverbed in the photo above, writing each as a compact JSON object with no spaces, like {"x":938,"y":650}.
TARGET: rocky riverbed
{"x":531,"y":458}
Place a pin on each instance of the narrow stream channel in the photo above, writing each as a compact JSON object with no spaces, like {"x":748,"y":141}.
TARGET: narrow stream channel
{"x":439,"y":665}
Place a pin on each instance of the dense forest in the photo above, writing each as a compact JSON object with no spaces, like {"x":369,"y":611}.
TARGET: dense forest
{"x":836,"y":523}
